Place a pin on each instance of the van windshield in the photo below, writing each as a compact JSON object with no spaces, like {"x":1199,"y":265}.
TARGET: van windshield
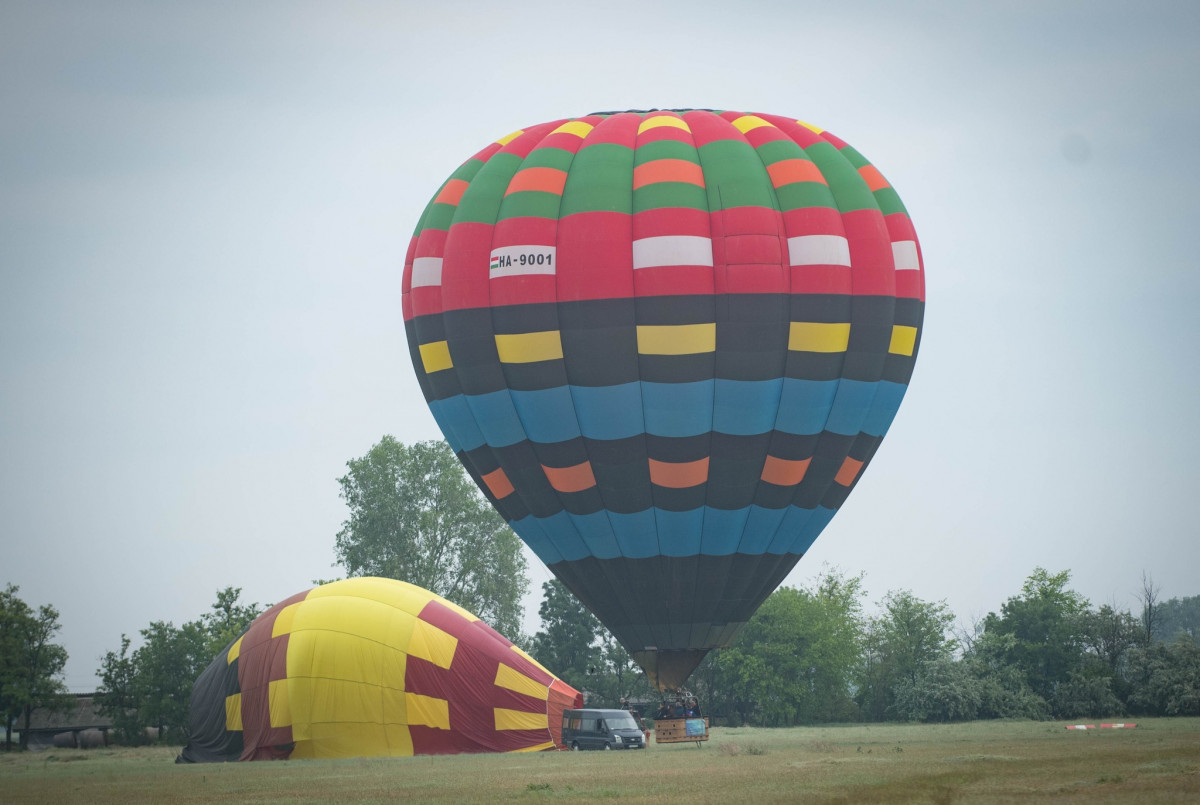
{"x":621,"y":722}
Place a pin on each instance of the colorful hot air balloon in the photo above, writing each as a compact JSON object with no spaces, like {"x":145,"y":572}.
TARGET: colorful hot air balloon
{"x":666,"y":344}
{"x":372,"y":667}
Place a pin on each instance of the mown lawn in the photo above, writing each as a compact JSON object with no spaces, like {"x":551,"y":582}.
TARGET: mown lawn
{"x":982,"y":762}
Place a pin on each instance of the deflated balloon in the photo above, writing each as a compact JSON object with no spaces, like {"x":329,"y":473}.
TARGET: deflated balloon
{"x":666,"y":345}
{"x":372,"y":667}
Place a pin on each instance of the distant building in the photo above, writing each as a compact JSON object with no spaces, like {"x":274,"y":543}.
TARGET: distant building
{"x":78,"y":726}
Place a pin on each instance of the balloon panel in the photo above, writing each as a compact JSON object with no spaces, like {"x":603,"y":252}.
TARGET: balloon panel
{"x":372,"y":667}
{"x":666,"y":345}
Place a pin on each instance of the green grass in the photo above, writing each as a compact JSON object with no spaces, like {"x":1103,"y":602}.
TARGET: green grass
{"x":982,"y":762}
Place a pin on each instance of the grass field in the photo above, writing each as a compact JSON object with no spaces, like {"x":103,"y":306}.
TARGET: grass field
{"x":982,"y":762}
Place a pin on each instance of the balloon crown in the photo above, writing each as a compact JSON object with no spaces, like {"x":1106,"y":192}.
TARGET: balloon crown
{"x":647,"y":111}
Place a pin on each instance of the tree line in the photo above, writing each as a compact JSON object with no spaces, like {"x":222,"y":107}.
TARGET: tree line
{"x":812,"y":655}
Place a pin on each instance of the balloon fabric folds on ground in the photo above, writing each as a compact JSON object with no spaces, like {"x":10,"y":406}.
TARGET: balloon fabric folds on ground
{"x":666,"y":345}
{"x":372,"y":667}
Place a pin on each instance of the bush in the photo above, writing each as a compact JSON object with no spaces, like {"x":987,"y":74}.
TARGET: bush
{"x":944,"y":690}
{"x":1086,"y":696}
{"x":1166,"y":679}
{"x":1005,"y":694}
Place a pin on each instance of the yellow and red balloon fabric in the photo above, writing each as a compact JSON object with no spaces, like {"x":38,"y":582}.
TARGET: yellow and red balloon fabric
{"x":372,"y":667}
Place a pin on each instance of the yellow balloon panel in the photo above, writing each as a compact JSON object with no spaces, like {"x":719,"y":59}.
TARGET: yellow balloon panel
{"x":337,"y":655}
{"x":372,"y":620}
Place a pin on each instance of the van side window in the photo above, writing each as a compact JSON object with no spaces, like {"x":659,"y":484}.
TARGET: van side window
{"x":600,"y":727}
{"x":588,"y":724}
{"x":575,"y":723}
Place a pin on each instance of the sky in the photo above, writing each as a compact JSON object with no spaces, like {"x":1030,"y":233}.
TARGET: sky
{"x":205,"y":207}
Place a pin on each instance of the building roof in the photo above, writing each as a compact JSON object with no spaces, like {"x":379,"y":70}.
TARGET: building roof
{"x":81,"y":715}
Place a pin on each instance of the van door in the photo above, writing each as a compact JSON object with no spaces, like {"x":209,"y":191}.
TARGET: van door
{"x":587,"y":733}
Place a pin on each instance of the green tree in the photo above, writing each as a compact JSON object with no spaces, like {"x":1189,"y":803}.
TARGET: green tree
{"x":795,"y":659}
{"x":13,"y":616}
{"x":763,"y":670}
{"x":1003,"y":688}
{"x":942,"y":689}
{"x":31,"y":664}
{"x":117,"y":695}
{"x":167,"y":663}
{"x":1109,"y":635}
{"x":152,"y":685}
{"x":568,"y":643}
{"x":227,"y":619}
{"x":1166,"y":678}
{"x":1179,"y":616}
{"x":576,"y":647}
{"x":1040,"y":632}
{"x":899,"y":645}
{"x":416,"y":516}
{"x":706,"y":683}
{"x":620,"y":676}
{"x":1087,"y":693}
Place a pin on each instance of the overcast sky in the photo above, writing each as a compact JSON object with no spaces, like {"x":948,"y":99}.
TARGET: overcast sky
{"x":204,"y":211}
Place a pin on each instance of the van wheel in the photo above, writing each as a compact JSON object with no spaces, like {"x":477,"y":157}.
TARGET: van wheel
{"x":574,"y":746}
{"x":608,"y":746}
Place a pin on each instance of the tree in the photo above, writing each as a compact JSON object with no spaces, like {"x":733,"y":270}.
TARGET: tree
{"x":568,"y":642}
{"x":227,"y":620}
{"x":899,"y":645}
{"x":31,"y":664}
{"x":620,"y":676}
{"x":1151,"y":609}
{"x":1180,"y":616}
{"x":415,"y":516}
{"x":576,"y":647}
{"x":1039,"y":632}
{"x":705,"y":682}
{"x":1004,"y":691}
{"x":1166,"y":678}
{"x":13,"y":615}
{"x":117,"y":695}
{"x":764,"y":670}
{"x":167,"y":663}
{"x":1086,"y":694}
{"x":794,"y":661}
{"x":941,"y":689}
{"x":152,"y":685}
{"x":1110,"y":634}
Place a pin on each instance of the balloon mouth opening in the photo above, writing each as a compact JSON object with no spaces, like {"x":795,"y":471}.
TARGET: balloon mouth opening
{"x":668,"y":669}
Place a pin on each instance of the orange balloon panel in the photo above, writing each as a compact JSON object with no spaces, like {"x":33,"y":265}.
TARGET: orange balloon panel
{"x":372,"y":667}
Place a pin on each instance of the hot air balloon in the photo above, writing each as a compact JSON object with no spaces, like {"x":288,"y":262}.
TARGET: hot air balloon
{"x":372,"y":667}
{"x":666,"y":345}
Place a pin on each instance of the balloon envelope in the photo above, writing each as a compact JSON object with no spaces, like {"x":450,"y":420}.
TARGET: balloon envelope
{"x":666,"y":345}
{"x":372,"y":667}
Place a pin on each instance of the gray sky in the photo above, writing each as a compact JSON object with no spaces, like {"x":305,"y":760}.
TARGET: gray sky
{"x":204,"y":210}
